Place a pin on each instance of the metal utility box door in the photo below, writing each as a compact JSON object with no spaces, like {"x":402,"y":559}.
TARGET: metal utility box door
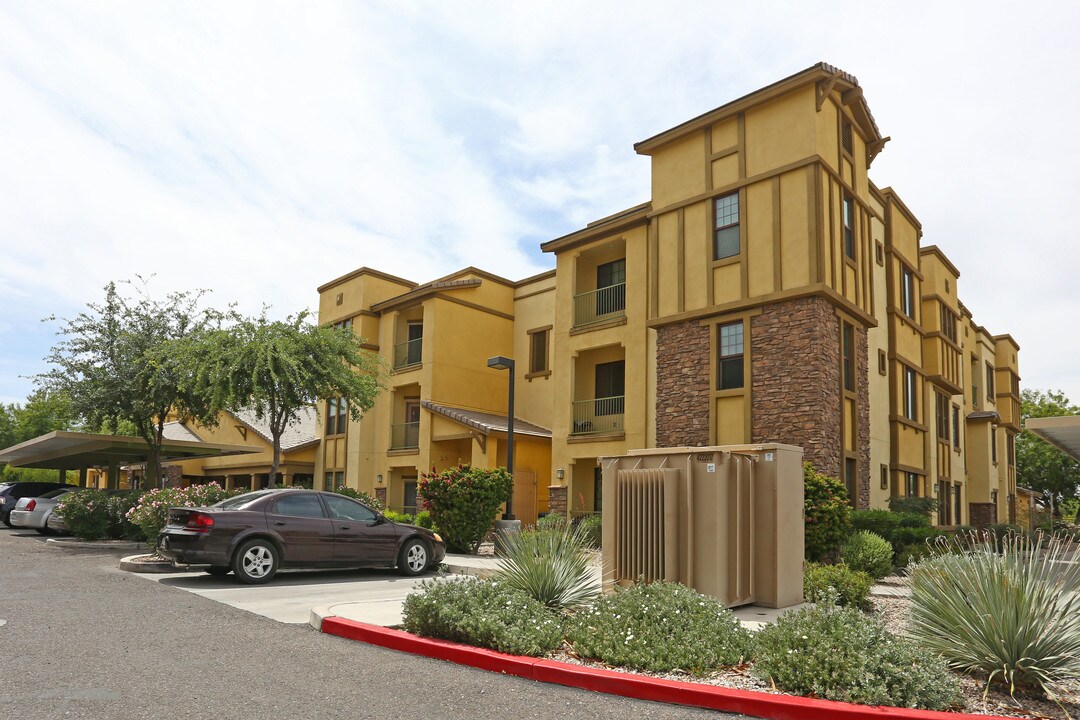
{"x":726,"y":521}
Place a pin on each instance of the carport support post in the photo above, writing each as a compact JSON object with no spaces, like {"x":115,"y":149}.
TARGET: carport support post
{"x":114,"y":475}
{"x":82,"y":477}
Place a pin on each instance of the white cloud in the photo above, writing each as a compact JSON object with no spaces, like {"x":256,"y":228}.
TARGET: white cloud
{"x":262,"y":149}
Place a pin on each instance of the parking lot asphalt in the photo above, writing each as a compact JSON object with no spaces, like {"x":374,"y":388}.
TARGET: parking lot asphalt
{"x":292,"y":595}
{"x":81,"y":639}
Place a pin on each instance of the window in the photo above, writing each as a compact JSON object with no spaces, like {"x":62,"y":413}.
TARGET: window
{"x":993,"y":444}
{"x":882,"y":362}
{"x":907,"y":291}
{"x":957,"y":516}
{"x":726,"y":232}
{"x":343,"y":508}
{"x":845,"y":137}
{"x":337,"y":416}
{"x":1015,"y":381}
{"x":849,"y":356}
{"x":851,"y":481}
{"x":956,"y":427}
{"x":333,"y":480}
{"x":948,"y":323}
{"x":942,"y":418}
{"x":911,"y":397}
{"x":538,"y":351}
{"x":884,"y":477}
{"x":911,"y":484}
{"x":989,"y":382}
{"x":344,"y":324}
{"x":730,"y":364}
{"x":415,"y":349}
{"x":611,"y":287}
{"x":408,"y":494}
{"x":880,"y":254}
{"x":1010,"y":448}
{"x":610,"y":387}
{"x":300,"y":505}
{"x":849,"y":226}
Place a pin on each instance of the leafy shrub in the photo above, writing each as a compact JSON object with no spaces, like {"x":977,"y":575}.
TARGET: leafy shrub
{"x":151,"y":512}
{"x":869,"y":553}
{"x":841,"y":654}
{"x":836,"y":584}
{"x":463,"y":501}
{"x":915,"y":505}
{"x":661,"y":627}
{"x":362,"y":496}
{"x":1009,"y":609}
{"x":549,"y":566}
{"x":592,"y":529}
{"x":901,"y":529}
{"x":551,"y":521}
{"x":827,"y":515}
{"x":423,"y":519}
{"x":482,"y":613}
{"x":98,"y":515}
{"x":399,"y":517}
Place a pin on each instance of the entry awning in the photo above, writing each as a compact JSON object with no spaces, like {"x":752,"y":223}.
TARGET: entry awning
{"x":1061,"y":432}
{"x":74,"y":451}
{"x":484,"y":422}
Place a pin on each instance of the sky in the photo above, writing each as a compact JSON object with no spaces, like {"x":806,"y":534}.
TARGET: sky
{"x":262,"y":149}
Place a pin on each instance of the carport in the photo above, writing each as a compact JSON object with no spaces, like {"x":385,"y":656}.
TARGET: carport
{"x":1061,"y":432}
{"x":64,"y":451}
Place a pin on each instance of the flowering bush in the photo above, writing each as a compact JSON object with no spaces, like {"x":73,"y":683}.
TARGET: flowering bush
{"x":660,"y":626}
{"x":463,"y":501}
{"x":98,"y":514}
{"x":839,"y":653}
{"x":826,"y":514}
{"x":151,"y":512}
{"x":482,"y":613}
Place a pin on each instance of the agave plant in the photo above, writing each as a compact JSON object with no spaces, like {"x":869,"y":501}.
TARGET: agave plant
{"x":551,"y":565}
{"x":1009,"y":609}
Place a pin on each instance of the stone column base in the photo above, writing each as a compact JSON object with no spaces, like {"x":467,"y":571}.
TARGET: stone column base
{"x":557,"y":495}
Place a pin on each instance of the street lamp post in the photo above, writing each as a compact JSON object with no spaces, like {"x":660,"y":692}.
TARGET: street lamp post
{"x":504,"y":363}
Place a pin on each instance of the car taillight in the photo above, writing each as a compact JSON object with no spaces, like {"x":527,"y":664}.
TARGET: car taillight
{"x":31,"y":505}
{"x":199,"y":522}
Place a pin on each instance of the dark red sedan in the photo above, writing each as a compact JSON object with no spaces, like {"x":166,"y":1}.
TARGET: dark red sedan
{"x":256,"y":534}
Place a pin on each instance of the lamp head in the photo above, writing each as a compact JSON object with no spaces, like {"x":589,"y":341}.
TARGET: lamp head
{"x":500,"y":363}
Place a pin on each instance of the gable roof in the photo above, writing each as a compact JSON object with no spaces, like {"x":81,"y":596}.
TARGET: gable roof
{"x":300,"y":434}
{"x":179,"y":431}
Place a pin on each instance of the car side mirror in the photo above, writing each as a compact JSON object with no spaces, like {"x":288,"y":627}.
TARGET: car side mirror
{"x":377,"y":520}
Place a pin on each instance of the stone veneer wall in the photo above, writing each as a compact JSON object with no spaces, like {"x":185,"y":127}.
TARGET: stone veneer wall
{"x":557,"y":495}
{"x":982,"y":514}
{"x":683,"y":385}
{"x":796,"y":384}
{"x":380,"y":495}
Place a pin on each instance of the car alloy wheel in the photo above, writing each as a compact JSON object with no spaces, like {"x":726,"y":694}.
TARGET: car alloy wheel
{"x":414,"y":557}
{"x":256,"y":561}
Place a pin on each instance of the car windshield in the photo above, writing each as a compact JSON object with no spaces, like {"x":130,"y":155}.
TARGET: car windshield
{"x":241,"y":502}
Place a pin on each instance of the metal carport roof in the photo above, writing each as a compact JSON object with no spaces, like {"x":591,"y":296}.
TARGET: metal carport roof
{"x":73,"y":451}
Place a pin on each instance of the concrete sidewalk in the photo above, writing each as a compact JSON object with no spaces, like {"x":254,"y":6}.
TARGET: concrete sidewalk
{"x":386,"y":610}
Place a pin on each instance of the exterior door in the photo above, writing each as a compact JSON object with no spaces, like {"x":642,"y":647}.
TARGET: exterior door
{"x":416,"y":346}
{"x":361,"y":536}
{"x":412,"y":422}
{"x":307,"y":535}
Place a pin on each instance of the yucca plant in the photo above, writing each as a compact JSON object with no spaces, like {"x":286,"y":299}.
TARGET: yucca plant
{"x":550,"y":565}
{"x":1009,"y":609}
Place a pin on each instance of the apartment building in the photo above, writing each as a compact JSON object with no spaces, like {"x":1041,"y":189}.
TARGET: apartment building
{"x":768,"y":291}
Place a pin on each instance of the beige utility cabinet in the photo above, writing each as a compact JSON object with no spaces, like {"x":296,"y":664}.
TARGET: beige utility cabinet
{"x":726,"y":521}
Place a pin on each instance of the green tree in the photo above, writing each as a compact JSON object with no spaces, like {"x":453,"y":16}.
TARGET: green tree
{"x":277,"y":368}
{"x":118,"y":363}
{"x":1039,"y":465}
{"x":42,"y":413}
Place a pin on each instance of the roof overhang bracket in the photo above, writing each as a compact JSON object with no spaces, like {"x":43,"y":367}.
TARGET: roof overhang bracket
{"x":851,"y":95}
{"x":481,"y":440}
{"x":824,"y":87}
{"x":874,"y":148}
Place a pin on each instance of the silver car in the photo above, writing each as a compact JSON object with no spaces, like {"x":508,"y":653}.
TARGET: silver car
{"x":34,"y":513}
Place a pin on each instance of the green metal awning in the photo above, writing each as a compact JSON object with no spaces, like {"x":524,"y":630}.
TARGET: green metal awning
{"x":74,"y":451}
{"x":1061,"y":432}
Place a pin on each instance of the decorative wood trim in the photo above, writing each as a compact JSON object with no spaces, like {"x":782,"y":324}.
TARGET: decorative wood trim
{"x":535,"y":293}
{"x":741,"y":124}
{"x":474,"y":306}
{"x":680,"y":261}
{"x":539,"y":329}
{"x":599,"y":326}
{"x":542,"y":373}
{"x":818,"y":289}
{"x":901,"y":420}
{"x":720,"y":154}
{"x":777,"y":237}
{"x":709,"y":157}
{"x":598,"y":437}
{"x":654,"y":271}
{"x":369,"y":346}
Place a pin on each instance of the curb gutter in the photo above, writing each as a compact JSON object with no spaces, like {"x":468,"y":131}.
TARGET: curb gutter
{"x":641,"y":687}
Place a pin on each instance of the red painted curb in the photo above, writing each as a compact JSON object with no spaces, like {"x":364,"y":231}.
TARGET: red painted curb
{"x":641,"y":687}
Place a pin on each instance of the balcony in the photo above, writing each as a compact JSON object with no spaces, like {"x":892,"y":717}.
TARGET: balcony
{"x":405,"y":436}
{"x":594,"y":306}
{"x":599,"y":415}
{"x":408,"y":354}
